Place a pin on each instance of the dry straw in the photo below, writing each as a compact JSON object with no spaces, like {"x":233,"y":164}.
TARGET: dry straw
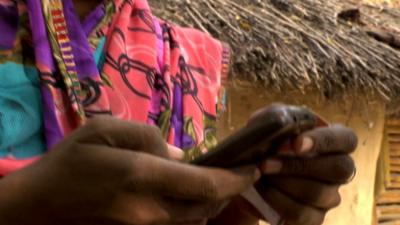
{"x":296,"y":44}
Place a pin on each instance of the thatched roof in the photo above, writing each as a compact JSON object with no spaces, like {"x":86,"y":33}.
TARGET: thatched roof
{"x":298,"y":43}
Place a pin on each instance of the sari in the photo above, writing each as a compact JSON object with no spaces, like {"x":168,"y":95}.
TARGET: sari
{"x":56,"y":72}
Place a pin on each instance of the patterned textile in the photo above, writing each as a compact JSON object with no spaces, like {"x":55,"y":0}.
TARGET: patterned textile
{"x":119,"y":61}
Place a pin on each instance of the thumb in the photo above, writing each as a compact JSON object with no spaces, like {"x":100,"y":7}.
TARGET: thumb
{"x":112,"y":132}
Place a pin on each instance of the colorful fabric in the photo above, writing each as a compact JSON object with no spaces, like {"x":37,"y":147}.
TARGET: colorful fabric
{"x":120,"y":61}
{"x":20,"y":111}
{"x":21,"y":125}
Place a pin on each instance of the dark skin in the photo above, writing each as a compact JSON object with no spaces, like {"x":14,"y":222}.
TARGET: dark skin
{"x":116,"y":172}
{"x":113,"y":172}
{"x":303,"y":185}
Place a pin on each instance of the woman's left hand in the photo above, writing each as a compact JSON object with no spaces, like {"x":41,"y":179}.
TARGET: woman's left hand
{"x":304,"y":186}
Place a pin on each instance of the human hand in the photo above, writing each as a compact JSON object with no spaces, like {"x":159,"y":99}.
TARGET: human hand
{"x":116,"y":172}
{"x":304,"y":187}
{"x":301,"y":184}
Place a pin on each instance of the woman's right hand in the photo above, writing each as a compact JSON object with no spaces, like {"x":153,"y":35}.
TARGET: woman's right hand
{"x":116,"y":172}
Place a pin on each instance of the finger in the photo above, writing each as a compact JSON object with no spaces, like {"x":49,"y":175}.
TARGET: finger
{"x":292,"y":212}
{"x":307,"y":192}
{"x":334,"y":169}
{"x":183,"y":212}
{"x":148,"y":209}
{"x":185,"y":181}
{"x":135,"y":209}
{"x":175,"y":153}
{"x":327,"y":140}
{"x":136,"y":201}
{"x":106,"y":130}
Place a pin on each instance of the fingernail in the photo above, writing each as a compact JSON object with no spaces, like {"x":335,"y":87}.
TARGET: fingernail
{"x":306,"y":145}
{"x":175,"y":153}
{"x":271,"y":166}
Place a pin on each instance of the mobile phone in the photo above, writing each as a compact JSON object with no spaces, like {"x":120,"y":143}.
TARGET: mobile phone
{"x":260,"y":138}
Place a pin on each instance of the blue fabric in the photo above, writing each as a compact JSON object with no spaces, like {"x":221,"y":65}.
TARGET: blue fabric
{"x":21,"y":122}
{"x":20,"y":111}
{"x":98,"y":55}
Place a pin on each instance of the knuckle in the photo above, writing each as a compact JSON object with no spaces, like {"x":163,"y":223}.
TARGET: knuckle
{"x":299,"y":166}
{"x":97,"y":124}
{"x":326,"y":140}
{"x":136,"y":174}
{"x":209,"y":190}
